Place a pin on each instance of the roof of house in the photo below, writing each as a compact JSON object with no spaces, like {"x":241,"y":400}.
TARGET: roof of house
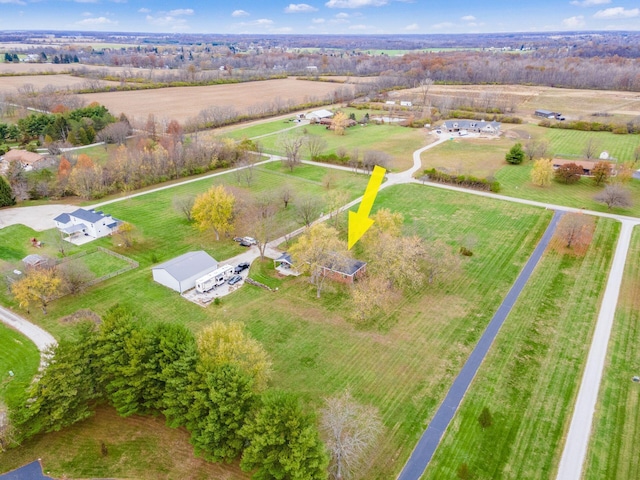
{"x":187,"y":265}
{"x":322,"y":113}
{"x":284,"y":258}
{"x":545,"y":112}
{"x":28,"y":158}
{"x":465,"y":124}
{"x":33,"y":260}
{"x":90,"y":216}
{"x":62,"y":218}
{"x":584,"y":164}
{"x":350,"y":266}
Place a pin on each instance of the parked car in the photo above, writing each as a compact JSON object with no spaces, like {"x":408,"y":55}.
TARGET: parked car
{"x":241,"y":267}
{"x":237,"y":239}
{"x":244,"y":243}
{"x":235,"y":279}
{"x":250,"y":240}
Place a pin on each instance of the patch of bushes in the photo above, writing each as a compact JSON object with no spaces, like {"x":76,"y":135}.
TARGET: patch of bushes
{"x":331,"y":158}
{"x":466,"y":181}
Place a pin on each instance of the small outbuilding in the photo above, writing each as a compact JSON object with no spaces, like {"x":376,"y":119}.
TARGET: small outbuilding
{"x":35,"y":261}
{"x":180,"y":274}
{"x":347,"y":272}
{"x":318,"y":115}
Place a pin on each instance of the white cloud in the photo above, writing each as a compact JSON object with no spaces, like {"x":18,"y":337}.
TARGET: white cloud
{"x":14,"y":2}
{"x":181,"y":11}
{"x":468,"y":18}
{"x":144,"y":10}
{"x":355,"y":3}
{"x":440,"y":26}
{"x":589,"y":3}
{"x":358,"y":27}
{"x":174,"y":23}
{"x":411,"y":28}
{"x":617,"y":12}
{"x":299,"y":8}
{"x":240,"y":13}
{"x":318,"y":20}
{"x":118,"y":1}
{"x":93,"y":21}
{"x":342,"y":15}
{"x":573,"y":22}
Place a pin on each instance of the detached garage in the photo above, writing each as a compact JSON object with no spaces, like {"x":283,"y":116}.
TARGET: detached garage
{"x":180,"y":274}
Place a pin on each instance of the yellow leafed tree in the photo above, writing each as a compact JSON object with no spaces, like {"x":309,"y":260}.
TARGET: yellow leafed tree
{"x":226,"y":343}
{"x":339,"y":123}
{"x":214,"y":209}
{"x":542,"y":172}
{"x":37,"y":287}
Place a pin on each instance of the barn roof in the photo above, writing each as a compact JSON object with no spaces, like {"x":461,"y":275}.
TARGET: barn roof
{"x":187,"y":265}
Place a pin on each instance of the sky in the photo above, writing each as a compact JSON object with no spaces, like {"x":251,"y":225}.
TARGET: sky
{"x":320,"y":16}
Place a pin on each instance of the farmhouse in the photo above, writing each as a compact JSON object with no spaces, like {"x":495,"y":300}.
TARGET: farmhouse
{"x":319,"y":115}
{"x":180,"y":274}
{"x":28,"y":160}
{"x":475,"y":126}
{"x":82,"y":223}
{"x":586,"y":165}
{"x":348,"y":272}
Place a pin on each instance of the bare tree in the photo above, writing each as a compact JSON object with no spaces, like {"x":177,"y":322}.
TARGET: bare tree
{"x":423,"y":89}
{"x":258,"y":219}
{"x":184,"y":204}
{"x":286,"y":194}
{"x":291,"y":145}
{"x":371,"y":158}
{"x":573,"y":230}
{"x":614,"y":195}
{"x":115,"y":133}
{"x":307,"y":209}
{"x":591,"y":148}
{"x":245,"y":168}
{"x":350,"y":431}
{"x":532,"y":148}
{"x":75,"y":276}
{"x":315,"y":145}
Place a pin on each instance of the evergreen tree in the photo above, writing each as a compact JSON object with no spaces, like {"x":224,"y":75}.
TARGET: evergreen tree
{"x":7,"y":198}
{"x":515,"y":156}
{"x":283,"y":442}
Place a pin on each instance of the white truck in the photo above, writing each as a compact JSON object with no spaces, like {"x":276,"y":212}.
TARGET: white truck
{"x":214,"y":279}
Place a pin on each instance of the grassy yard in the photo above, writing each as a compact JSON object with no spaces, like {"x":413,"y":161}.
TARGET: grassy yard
{"x":515,"y":182}
{"x":399,"y":142}
{"x":571,"y":143}
{"x":403,"y":364}
{"x":20,"y":356}
{"x":100,"y":263}
{"x":530,"y":378}
{"x":613,"y":451}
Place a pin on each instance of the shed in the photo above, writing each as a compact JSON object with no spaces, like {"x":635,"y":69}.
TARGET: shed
{"x":319,"y":114}
{"x":348,"y":272}
{"x":180,"y":274}
{"x":34,"y":261}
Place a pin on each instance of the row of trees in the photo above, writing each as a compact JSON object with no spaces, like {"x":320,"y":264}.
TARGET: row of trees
{"x":214,"y":384}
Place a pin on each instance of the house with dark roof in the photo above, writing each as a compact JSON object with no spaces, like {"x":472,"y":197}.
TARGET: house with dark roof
{"x":180,"y":274}
{"x":86,"y":223}
{"x":474,"y":126}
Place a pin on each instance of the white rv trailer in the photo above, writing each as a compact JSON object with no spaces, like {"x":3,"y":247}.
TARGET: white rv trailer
{"x":214,"y":279}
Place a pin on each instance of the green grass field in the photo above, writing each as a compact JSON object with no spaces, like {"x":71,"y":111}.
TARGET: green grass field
{"x":100,"y":263}
{"x":515,"y":181}
{"x":571,"y":143}
{"x":480,"y":157}
{"x":613,"y":451}
{"x":531,"y":376}
{"x":20,"y":356}
{"x":403,"y":364}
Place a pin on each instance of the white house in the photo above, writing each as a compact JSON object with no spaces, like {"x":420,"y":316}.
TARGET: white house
{"x":319,"y":115}
{"x":180,"y":274}
{"x":86,"y":223}
{"x":475,"y":126}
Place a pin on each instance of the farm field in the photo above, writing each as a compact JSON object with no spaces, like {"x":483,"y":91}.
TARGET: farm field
{"x":10,"y":85}
{"x":20,"y":356}
{"x":530,"y":378}
{"x":405,"y":360}
{"x":481,"y":157}
{"x":616,"y":426}
{"x":182,"y":103}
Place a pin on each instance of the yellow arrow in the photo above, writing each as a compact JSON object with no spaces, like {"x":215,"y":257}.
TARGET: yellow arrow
{"x":360,"y":222}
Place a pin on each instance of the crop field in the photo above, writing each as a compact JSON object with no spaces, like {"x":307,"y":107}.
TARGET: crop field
{"x":399,"y":142}
{"x":403,"y":363}
{"x":182,"y":103}
{"x":515,"y":182}
{"x":10,"y":85}
{"x":20,"y":356}
{"x":530,"y":378}
{"x":613,"y":451}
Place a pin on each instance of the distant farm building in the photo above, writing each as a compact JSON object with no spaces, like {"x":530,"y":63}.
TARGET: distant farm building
{"x":474,"y":126}
{"x":586,"y":165}
{"x":319,"y":115}
{"x":548,"y":114}
{"x":406,"y":103}
{"x":82,"y":223}
{"x":180,"y":274}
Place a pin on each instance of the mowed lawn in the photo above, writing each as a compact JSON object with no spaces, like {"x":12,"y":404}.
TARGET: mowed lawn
{"x":531,"y":375}
{"x":20,"y":356}
{"x":399,"y":142}
{"x":403,"y":363}
{"x":613,"y":451}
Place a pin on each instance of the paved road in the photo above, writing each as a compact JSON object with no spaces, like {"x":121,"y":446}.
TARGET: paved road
{"x":37,"y":335}
{"x":426,"y":447}
{"x":575,"y":450}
